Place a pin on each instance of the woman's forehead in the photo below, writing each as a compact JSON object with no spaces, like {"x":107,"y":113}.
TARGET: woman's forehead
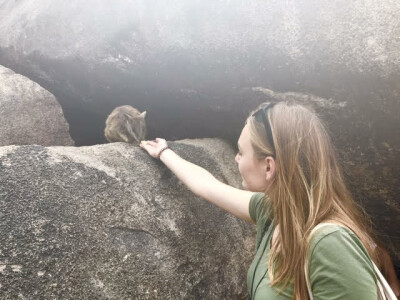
{"x":244,"y":137}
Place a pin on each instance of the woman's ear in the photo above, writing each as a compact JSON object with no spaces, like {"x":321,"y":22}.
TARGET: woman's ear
{"x":269,"y":167}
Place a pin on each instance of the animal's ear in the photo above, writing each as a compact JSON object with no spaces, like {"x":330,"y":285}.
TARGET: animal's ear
{"x":143,"y":114}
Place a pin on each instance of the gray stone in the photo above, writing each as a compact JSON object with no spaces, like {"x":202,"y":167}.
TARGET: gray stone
{"x":29,"y":114}
{"x":109,"y":222}
{"x":198,"y":67}
{"x":194,"y":58}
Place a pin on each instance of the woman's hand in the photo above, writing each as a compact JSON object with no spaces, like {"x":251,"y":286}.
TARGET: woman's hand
{"x":154,"y":147}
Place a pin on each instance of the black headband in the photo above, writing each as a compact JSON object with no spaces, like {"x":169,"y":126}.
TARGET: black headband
{"x":263,"y":113}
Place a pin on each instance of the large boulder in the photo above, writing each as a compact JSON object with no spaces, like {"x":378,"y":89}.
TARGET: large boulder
{"x":29,"y":114}
{"x":198,"y":67}
{"x":193,"y":58}
{"x":109,"y":222}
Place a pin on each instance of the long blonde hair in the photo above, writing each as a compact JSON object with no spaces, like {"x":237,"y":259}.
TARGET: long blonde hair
{"x":308,"y":188}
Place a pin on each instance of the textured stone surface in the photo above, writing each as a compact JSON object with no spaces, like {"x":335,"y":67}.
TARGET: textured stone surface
{"x":193,"y":58}
{"x":198,"y":67}
{"x":109,"y":222}
{"x":29,"y":114}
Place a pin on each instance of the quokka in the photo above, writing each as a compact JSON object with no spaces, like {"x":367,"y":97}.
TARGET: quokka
{"x":126,"y":124}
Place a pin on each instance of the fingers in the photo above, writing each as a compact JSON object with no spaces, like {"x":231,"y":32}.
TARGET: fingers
{"x":150,"y":149}
{"x":144,"y":143}
{"x":153,"y":147}
{"x":144,"y":146}
{"x":151,"y":143}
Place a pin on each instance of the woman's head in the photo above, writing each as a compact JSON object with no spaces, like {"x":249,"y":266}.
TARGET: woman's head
{"x":306,"y":172}
{"x":300,"y":152}
{"x":305,"y":187}
{"x":256,"y":172}
{"x":256,"y":163}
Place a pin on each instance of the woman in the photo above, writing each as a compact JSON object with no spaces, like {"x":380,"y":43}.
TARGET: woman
{"x":286,"y":153}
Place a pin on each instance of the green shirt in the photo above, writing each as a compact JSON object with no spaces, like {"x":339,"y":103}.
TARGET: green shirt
{"x":340,"y":267}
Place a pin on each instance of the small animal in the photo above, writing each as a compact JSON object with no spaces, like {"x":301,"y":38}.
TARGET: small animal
{"x":126,"y":124}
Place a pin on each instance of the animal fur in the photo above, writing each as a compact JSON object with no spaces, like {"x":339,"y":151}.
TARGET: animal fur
{"x":126,"y":124}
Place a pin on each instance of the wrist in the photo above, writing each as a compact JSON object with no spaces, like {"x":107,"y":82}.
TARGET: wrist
{"x":163,"y":149}
{"x":165,"y":154}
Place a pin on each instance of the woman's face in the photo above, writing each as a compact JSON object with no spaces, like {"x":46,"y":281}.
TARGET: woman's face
{"x":252,"y":169}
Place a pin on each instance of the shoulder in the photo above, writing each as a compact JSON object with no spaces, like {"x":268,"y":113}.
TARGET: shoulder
{"x":340,"y":265}
{"x":336,"y":236}
{"x":340,"y":243}
{"x":258,"y":206}
{"x":260,"y":212}
{"x":331,"y":233}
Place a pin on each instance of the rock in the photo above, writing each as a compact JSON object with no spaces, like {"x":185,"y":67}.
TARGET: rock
{"x":194,"y":58}
{"x":109,"y":222}
{"x":198,"y":68}
{"x":29,"y":114}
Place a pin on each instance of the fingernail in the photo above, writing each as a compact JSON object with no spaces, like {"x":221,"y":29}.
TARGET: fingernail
{"x":143,"y":142}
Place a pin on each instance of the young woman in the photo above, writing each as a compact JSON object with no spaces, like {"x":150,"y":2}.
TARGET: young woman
{"x":293,"y":183}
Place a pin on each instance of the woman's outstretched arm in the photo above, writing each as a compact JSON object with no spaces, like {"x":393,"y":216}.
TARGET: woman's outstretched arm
{"x":201,"y":182}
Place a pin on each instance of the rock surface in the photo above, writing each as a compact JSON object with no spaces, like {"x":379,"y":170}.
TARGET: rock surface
{"x":109,"y":222}
{"x":29,"y":114}
{"x":186,"y":62}
{"x":198,"y":68}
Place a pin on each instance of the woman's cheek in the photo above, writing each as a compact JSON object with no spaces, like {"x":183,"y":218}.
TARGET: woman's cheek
{"x":240,"y":167}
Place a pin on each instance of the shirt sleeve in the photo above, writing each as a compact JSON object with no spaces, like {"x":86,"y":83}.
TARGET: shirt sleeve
{"x":340,"y":268}
{"x":257,"y":207}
